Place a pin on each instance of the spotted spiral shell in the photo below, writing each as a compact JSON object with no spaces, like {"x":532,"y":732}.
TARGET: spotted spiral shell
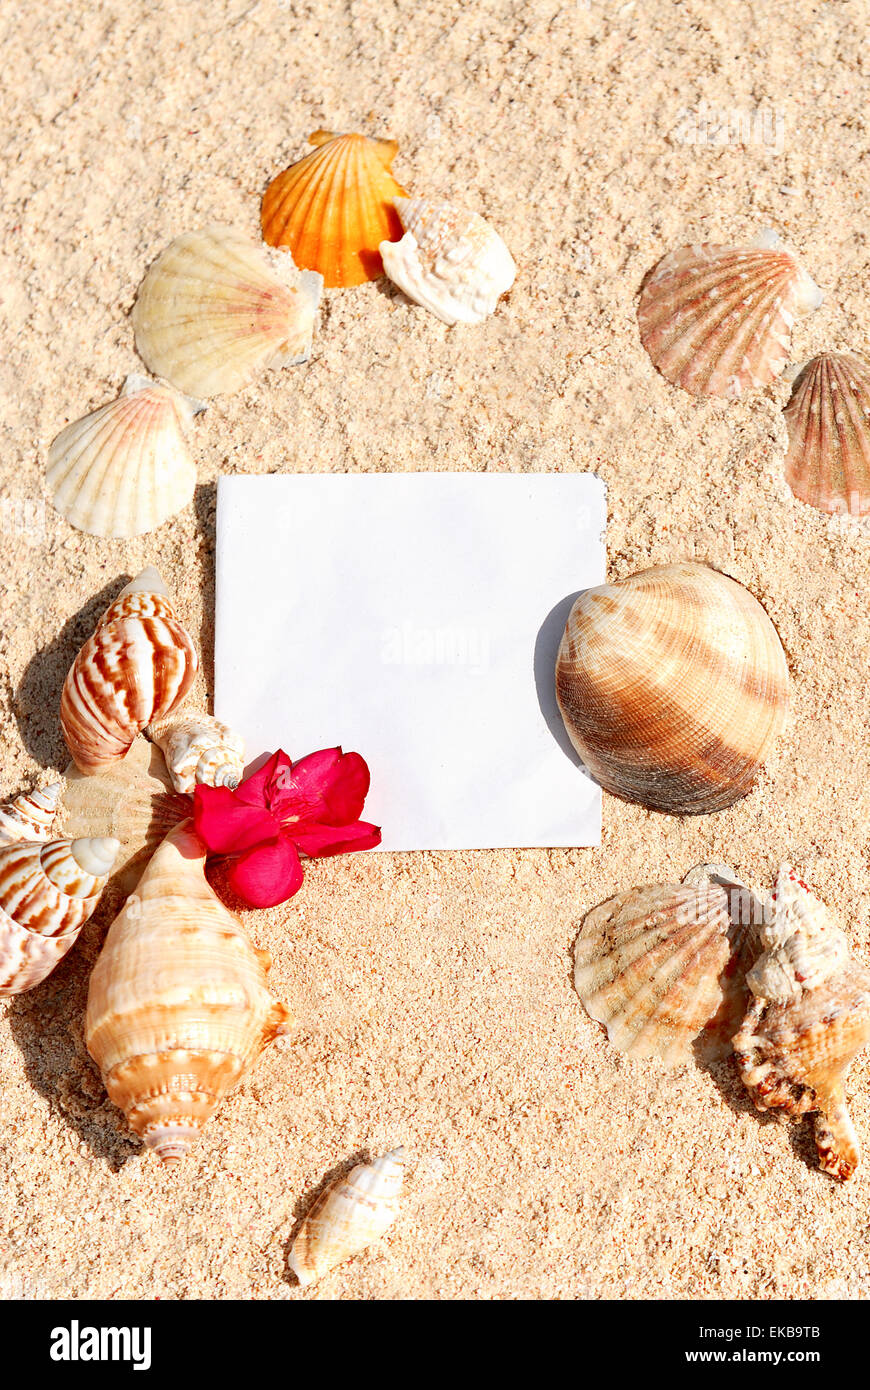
{"x":137,"y":667}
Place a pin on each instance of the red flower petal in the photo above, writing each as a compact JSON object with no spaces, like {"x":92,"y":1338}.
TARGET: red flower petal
{"x":328,"y":787}
{"x":227,"y":826}
{"x":259,"y":788}
{"x":319,"y":841}
{"x":267,"y":875}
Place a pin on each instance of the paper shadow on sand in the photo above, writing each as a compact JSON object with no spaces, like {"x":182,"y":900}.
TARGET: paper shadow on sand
{"x":36,"y":702}
{"x":546,"y":650}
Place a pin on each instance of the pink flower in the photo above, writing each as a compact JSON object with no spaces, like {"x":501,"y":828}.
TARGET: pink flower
{"x":312,"y":806}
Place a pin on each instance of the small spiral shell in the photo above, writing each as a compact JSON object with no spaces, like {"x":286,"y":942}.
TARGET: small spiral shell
{"x":199,"y":748}
{"x":29,"y":816}
{"x":348,"y":1216}
{"x":137,"y":667}
{"x":47,"y":893}
{"x":450,"y":261}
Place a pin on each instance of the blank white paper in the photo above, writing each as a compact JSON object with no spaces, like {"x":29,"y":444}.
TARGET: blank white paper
{"x":414,"y":618}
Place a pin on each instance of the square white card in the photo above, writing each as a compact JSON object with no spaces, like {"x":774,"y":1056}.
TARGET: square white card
{"x":414,"y":618}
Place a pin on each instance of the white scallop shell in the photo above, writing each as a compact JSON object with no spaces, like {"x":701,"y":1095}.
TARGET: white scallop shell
{"x":211,"y":314}
{"x":125,"y":469}
{"x":452,"y":262}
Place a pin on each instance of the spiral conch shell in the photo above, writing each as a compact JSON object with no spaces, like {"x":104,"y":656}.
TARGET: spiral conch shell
{"x":125,"y":469}
{"x":30,"y":816}
{"x":809,"y":1019}
{"x":452,"y":262}
{"x":47,"y":893}
{"x":211,"y":313}
{"x":134,"y":800}
{"x":178,"y":1007}
{"x":137,"y":667}
{"x":717,"y":320}
{"x":333,"y":208}
{"x":348,"y":1216}
{"x":673,"y":686}
{"x":199,"y":748}
{"x":828,"y":421}
{"x":657,"y":965}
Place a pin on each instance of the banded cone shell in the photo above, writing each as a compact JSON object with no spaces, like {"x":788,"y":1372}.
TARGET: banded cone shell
{"x":673,"y":686}
{"x":717,"y":320}
{"x":125,"y":469}
{"x":137,"y":667}
{"x":29,"y":816}
{"x":333,"y":208}
{"x":47,"y":893}
{"x":828,"y":421}
{"x":199,"y":748}
{"x":211,"y":314}
{"x":796,"y":1045}
{"x":452,"y":262}
{"x":133,"y":800}
{"x":654,"y":964}
{"x":178,"y":1007}
{"x":348,"y":1216}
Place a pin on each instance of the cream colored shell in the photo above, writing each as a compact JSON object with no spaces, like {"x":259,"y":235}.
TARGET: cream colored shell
{"x":178,"y":1007}
{"x":673,"y":686}
{"x":452,"y":262}
{"x":828,"y":421}
{"x":199,"y":748}
{"x":717,"y":320}
{"x":352,"y":1213}
{"x":137,"y":667}
{"x":47,"y":893}
{"x":211,"y":313}
{"x":30,"y":816}
{"x":125,"y":469}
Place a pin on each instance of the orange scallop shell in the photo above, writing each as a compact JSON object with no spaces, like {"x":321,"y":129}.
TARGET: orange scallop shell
{"x":333,"y":208}
{"x":828,"y":421}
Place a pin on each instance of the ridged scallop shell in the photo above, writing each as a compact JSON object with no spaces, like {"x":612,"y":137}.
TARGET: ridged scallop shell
{"x":137,"y":667}
{"x":47,"y":893}
{"x":351,"y":1214}
{"x":717,"y":320}
{"x":133,"y":800}
{"x":334,"y":207}
{"x":125,"y":469}
{"x":653,"y":964}
{"x":673,"y":686}
{"x":29,"y":816}
{"x":211,"y":314}
{"x":178,"y":1006}
{"x":452,"y":262}
{"x":828,"y":421}
{"x":797,"y":1042}
{"x":199,"y":748}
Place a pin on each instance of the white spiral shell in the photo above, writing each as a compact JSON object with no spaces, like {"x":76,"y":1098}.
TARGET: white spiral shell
{"x":348,"y":1216}
{"x":199,"y":748}
{"x":452,"y":262}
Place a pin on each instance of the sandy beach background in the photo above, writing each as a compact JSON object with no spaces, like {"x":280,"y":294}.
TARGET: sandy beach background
{"x":433,"y":990}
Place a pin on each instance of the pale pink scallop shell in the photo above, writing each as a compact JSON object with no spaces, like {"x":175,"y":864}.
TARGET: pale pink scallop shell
{"x":828,"y":421}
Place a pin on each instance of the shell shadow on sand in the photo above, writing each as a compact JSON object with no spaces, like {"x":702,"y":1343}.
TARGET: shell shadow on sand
{"x":546,"y":649}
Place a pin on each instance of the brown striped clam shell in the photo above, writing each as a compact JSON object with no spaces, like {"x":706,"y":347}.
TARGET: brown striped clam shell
{"x":717,"y":320}
{"x":673,"y":686}
{"x":137,"y":667}
{"x":47,"y":893}
{"x":828,"y":421}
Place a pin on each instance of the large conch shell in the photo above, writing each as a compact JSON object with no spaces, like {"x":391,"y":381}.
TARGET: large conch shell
{"x":29,"y":816}
{"x":333,"y":208}
{"x":199,"y":748}
{"x":47,"y":893}
{"x":125,"y":469}
{"x":137,"y":667}
{"x":717,"y":320}
{"x":828,"y":421}
{"x":178,"y":1006}
{"x":132,"y":799}
{"x":351,"y":1214}
{"x":211,"y":313}
{"x":673,"y":686}
{"x":655,"y":964}
{"x":452,"y":262}
{"x":808,"y":1021}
